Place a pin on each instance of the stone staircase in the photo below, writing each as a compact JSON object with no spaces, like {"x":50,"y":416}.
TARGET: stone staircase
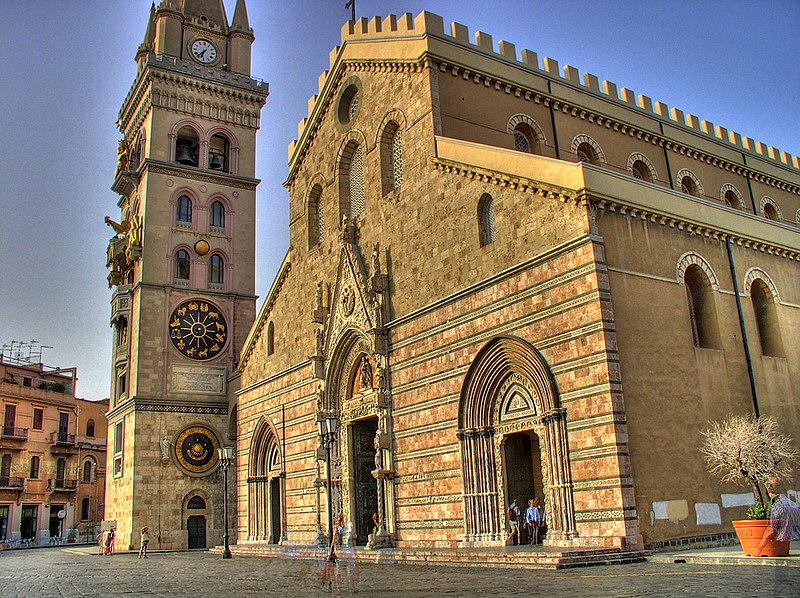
{"x":511,"y":557}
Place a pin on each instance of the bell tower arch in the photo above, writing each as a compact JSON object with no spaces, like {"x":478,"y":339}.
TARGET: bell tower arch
{"x":182,"y":265}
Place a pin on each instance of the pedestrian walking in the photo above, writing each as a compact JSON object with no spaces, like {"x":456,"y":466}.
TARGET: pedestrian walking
{"x":535,"y":521}
{"x":145,"y":531}
{"x":513,"y":524}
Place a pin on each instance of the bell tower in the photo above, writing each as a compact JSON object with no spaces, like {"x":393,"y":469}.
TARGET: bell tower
{"x":182,"y":270}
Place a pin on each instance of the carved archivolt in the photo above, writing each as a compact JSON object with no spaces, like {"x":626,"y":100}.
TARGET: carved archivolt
{"x":509,"y":388}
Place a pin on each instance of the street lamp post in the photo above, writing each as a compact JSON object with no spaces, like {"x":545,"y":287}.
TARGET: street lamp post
{"x":225,"y":458}
{"x":327,"y":435}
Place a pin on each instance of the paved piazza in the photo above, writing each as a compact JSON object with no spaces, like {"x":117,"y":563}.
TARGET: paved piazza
{"x":55,"y":572}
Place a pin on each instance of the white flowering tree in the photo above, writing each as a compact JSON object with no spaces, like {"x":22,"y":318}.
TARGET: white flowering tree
{"x":749,"y":450}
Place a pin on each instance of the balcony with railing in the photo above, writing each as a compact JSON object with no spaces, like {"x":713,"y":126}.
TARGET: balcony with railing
{"x":62,"y":485}
{"x":12,"y":433}
{"x":61,"y":442}
{"x":12,"y":483}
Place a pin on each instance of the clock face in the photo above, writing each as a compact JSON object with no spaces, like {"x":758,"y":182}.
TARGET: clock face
{"x":198,"y":330}
{"x":196,"y":450}
{"x":204,"y":51}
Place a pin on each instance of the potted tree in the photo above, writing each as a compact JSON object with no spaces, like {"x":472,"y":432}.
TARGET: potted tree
{"x":750,"y":450}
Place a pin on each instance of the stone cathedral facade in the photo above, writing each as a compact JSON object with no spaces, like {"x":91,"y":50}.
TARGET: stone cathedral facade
{"x":506,"y":280}
{"x":182,"y":269}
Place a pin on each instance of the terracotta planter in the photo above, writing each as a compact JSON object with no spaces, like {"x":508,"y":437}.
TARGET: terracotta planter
{"x":751,"y":531}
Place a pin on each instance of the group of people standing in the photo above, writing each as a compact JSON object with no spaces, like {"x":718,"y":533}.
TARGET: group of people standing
{"x":108,"y":536}
{"x":534,"y":522}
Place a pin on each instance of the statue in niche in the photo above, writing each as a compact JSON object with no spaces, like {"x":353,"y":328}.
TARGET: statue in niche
{"x":375,"y":259}
{"x":135,"y":236}
{"x":164,"y":444}
{"x":122,"y":155}
{"x":318,"y":297}
{"x":344,"y":233}
{"x":380,"y":378}
{"x":365,"y":374}
{"x":320,"y":399}
{"x":375,"y":304}
{"x":319,"y":338}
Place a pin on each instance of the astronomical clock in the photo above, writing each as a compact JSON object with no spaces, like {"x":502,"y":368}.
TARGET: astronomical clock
{"x":198,"y":330}
{"x":196,"y":450}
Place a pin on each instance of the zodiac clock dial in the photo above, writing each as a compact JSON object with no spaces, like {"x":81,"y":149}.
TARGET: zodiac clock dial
{"x":196,"y":450}
{"x":198,"y":330}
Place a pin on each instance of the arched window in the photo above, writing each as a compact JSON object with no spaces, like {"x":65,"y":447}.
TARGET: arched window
{"x":641,"y":167}
{"x":688,"y":186}
{"x":391,"y":146}
{"x":766,"y":319}
{"x":85,"y":508}
{"x":216,"y":270}
{"x":219,"y":153}
{"x":731,"y":200}
{"x":196,"y":502}
{"x":487,"y":233}
{"x":702,"y":311}
{"x":356,"y":179}
{"x":528,"y":135}
{"x":182,"y":265}
{"x":35,"y":465}
{"x":770,"y":212}
{"x":187,"y":147}
{"x":316,"y":217}
{"x":351,"y":180}
{"x":270,"y":338}
{"x":689,"y":183}
{"x":183,"y":211}
{"x":90,"y":428}
{"x":525,"y":139}
{"x":587,"y":150}
{"x":217,"y":215}
{"x":87,"y":471}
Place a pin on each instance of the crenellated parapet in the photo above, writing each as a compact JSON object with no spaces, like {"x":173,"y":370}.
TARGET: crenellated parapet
{"x":427,"y":44}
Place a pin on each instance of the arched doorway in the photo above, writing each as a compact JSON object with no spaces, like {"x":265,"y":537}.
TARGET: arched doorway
{"x":265,"y":486}
{"x":196,"y":522}
{"x":522,"y":470}
{"x":361,"y":459}
{"x":513,"y":437}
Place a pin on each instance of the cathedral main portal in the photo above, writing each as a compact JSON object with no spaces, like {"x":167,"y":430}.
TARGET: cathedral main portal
{"x":366,"y":489}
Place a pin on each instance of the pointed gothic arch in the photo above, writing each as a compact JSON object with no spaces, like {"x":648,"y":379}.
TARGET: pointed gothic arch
{"x":510,"y":388}
{"x":265,"y":485}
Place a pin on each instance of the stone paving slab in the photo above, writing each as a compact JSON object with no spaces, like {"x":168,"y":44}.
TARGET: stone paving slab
{"x":727,"y":555}
{"x":76,"y":572}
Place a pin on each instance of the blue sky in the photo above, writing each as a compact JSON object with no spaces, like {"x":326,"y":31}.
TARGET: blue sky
{"x":68,"y":64}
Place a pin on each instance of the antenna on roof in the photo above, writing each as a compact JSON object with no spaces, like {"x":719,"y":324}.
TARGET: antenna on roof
{"x":352,"y":5}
